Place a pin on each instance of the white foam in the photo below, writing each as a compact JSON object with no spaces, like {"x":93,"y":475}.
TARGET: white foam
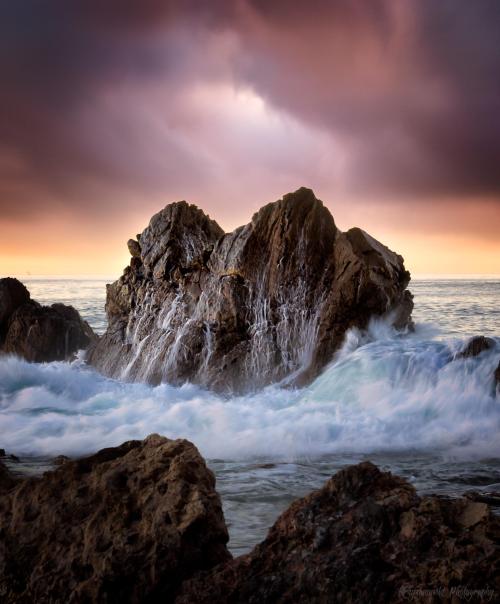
{"x":384,"y":392}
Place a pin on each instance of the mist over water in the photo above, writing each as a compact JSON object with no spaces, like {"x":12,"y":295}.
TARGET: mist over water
{"x":384,"y":392}
{"x":403,"y":400}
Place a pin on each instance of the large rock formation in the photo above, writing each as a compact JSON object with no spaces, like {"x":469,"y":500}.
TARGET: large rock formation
{"x":364,"y":537}
{"x":269,"y":302}
{"x":39,"y":333}
{"x":126,"y":525}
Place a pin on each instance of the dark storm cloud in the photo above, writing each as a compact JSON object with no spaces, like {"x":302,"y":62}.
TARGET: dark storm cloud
{"x":412,"y":86}
{"x":93,"y":94}
{"x":70,"y":75}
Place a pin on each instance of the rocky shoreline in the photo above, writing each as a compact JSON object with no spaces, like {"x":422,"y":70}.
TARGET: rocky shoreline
{"x":143,"y":522}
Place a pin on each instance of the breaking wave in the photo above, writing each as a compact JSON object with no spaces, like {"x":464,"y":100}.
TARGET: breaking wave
{"x":384,"y":392}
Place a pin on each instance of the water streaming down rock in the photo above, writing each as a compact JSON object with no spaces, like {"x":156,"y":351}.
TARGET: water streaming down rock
{"x":269,"y":302}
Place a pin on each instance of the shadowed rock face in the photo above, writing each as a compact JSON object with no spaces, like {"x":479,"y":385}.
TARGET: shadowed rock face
{"x":39,"y":333}
{"x":126,"y":525}
{"x":476,"y":346}
{"x":7,"y":481}
{"x":364,"y":537}
{"x":269,"y":302}
{"x":13,"y":294}
{"x":143,"y":523}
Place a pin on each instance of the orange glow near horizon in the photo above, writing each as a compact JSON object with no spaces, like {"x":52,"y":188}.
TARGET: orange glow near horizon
{"x":428,"y":247}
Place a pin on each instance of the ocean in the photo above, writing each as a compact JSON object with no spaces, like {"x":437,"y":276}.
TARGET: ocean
{"x":399,"y":400}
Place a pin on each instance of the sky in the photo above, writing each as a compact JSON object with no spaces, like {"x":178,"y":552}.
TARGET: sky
{"x":389,"y":110}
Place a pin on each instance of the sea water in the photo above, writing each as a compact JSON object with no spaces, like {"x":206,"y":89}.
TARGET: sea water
{"x":402,"y":400}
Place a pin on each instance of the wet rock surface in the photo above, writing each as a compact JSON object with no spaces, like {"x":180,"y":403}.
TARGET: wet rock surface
{"x":364,"y":537}
{"x":476,"y":346}
{"x":269,"y":302}
{"x":127,"y":524}
{"x":39,"y":333}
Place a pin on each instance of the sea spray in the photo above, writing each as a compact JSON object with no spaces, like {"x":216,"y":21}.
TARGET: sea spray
{"x":383,"y":392}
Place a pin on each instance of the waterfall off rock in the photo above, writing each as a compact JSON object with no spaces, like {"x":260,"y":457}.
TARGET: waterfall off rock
{"x":267,"y":303}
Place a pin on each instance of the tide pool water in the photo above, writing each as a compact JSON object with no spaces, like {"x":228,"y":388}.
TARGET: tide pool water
{"x":403,"y":401}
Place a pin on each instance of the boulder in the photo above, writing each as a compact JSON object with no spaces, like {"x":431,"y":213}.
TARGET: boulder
{"x":12,"y":295}
{"x":126,"y":525}
{"x":496,"y":376}
{"x":7,"y":481}
{"x":39,"y":333}
{"x":364,"y":537}
{"x":269,"y":302}
{"x":476,"y":346}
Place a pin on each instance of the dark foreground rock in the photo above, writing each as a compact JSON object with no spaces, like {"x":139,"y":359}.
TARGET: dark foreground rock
{"x":496,"y":376}
{"x":125,"y":525}
{"x":269,"y":302}
{"x":7,"y":481}
{"x":364,"y":537}
{"x":39,"y":333}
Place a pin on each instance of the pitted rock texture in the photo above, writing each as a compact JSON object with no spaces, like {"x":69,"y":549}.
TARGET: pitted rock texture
{"x":269,"y":302}
{"x":126,"y":525}
{"x":39,"y":333}
{"x":364,"y":537}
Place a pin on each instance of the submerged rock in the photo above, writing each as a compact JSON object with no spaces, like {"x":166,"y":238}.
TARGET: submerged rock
{"x":269,"y":302}
{"x":476,"y":346}
{"x":125,"y":525}
{"x":39,"y":333}
{"x":364,"y":537}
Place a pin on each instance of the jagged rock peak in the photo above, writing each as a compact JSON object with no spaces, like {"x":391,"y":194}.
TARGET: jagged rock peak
{"x":176,"y":238}
{"x":269,"y":302}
